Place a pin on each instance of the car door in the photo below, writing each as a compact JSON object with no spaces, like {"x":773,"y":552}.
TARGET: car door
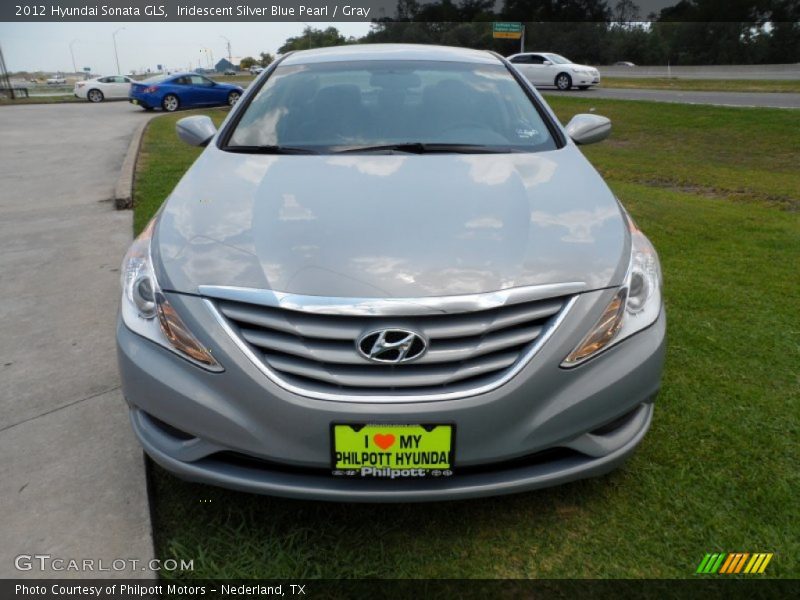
{"x":523,"y":64}
{"x":533,"y":67}
{"x":110,"y":87}
{"x":104,"y":85}
{"x":541,"y":68}
{"x":188,"y":93}
{"x":120,"y":86}
{"x":204,"y":90}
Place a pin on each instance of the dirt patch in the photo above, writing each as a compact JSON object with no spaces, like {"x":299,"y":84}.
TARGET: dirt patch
{"x":788,"y":203}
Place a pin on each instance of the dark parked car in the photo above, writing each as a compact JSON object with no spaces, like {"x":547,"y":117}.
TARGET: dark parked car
{"x":182,"y":90}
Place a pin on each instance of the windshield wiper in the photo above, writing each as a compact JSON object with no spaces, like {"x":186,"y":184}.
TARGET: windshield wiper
{"x":270,"y":149}
{"x":428,"y":148}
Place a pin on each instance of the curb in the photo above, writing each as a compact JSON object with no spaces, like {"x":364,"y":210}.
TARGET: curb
{"x":123,"y":190}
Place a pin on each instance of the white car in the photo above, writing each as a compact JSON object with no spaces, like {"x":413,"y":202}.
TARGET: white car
{"x":103,"y":88}
{"x":548,"y":69}
{"x":254,"y":70}
{"x":56,"y":81}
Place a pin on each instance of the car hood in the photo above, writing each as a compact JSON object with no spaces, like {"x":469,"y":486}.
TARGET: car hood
{"x":390,"y":225}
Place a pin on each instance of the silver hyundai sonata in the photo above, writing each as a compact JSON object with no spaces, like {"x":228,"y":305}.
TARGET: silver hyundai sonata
{"x":391,"y":276}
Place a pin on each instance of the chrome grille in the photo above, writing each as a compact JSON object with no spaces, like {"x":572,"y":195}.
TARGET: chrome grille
{"x":317,"y":354}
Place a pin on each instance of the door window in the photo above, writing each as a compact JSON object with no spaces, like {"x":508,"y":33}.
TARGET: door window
{"x":201,"y":81}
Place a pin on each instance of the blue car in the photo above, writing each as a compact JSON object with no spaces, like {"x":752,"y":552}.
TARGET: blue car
{"x":182,"y":90}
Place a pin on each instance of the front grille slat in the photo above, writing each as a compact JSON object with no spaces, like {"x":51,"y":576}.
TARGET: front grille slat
{"x":477,"y":324}
{"x":287,"y":321}
{"x":318,"y":352}
{"x":326,"y":351}
{"x":459,"y":350}
{"x":370,"y":376}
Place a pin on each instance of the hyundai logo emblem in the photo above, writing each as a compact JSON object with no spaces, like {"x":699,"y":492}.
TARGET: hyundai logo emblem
{"x":391,"y":346}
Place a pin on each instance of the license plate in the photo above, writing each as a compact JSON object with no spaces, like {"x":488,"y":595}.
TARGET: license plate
{"x":393,"y":451}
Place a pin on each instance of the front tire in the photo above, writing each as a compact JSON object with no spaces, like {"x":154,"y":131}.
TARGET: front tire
{"x":170,"y":103}
{"x":94,"y":95}
{"x":563,"y":82}
{"x":233,"y":98}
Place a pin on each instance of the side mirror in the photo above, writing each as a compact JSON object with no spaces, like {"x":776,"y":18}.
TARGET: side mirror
{"x":547,"y":62}
{"x":588,"y":129}
{"x":196,"y":131}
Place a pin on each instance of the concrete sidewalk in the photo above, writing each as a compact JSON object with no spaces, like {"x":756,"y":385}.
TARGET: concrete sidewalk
{"x":72,"y":481}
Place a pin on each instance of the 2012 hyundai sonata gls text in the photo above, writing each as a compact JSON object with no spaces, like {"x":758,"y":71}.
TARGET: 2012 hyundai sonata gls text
{"x":391,"y":276}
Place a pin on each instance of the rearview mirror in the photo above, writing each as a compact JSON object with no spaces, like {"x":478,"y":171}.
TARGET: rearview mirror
{"x":196,"y":131}
{"x":588,"y":129}
{"x":547,"y":62}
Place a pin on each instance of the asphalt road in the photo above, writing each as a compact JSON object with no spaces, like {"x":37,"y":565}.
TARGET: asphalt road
{"x":72,"y":481}
{"x":758,"y":99}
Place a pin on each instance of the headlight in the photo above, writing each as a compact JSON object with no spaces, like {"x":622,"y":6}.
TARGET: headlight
{"x":143,"y":301}
{"x":635,"y":306}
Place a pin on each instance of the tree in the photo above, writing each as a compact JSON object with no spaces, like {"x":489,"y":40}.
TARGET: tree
{"x":247,"y":62}
{"x":315,"y":38}
{"x":556,"y":10}
{"x":598,"y":31}
{"x":625,"y":11}
{"x":265,"y":59}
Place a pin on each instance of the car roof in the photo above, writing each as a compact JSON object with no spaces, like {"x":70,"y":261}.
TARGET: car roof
{"x":390,"y":52}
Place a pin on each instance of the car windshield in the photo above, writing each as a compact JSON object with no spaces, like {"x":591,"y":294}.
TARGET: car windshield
{"x":377,"y":105}
{"x":558,"y":59}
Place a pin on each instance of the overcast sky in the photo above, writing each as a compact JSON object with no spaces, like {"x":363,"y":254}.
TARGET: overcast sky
{"x":45,"y":46}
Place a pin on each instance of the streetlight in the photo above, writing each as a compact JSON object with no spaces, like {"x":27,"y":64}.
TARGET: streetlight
{"x":209,"y":56}
{"x":230,"y":60}
{"x":116,"y":56}
{"x":72,"y":54}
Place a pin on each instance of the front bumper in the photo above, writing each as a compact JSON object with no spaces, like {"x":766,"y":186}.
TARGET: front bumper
{"x":546,"y":426}
{"x":262,"y":477}
{"x":585,"y":79}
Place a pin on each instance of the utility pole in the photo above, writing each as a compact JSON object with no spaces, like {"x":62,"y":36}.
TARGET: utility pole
{"x":72,"y":54}
{"x":116,"y":55}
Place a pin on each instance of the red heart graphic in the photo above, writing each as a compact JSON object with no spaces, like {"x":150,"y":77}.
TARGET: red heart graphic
{"x":383,"y":440}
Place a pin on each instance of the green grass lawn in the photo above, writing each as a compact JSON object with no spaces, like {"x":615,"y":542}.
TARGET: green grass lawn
{"x":718,"y":192}
{"x":703,"y":85}
{"x":243,"y":79}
